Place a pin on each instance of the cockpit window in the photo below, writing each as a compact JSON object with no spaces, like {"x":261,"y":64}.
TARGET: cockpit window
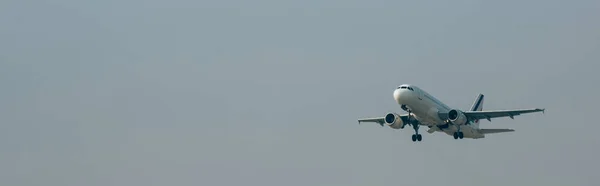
{"x":406,"y":87}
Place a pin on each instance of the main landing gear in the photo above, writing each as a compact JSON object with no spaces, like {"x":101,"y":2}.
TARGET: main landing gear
{"x":417,"y":137}
{"x":415,"y":125}
{"x":458,"y":134}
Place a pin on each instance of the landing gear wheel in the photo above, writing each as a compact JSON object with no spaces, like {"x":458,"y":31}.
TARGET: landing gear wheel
{"x":414,"y":137}
{"x":458,"y":135}
{"x":419,"y":137}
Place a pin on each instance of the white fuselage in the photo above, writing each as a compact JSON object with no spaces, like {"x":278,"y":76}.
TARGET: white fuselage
{"x":426,"y":108}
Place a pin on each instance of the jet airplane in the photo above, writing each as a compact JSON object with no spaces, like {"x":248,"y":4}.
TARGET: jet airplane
{"x":425,"y":110}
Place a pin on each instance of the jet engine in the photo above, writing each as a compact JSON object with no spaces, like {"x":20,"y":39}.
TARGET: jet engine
{"x":457,"y":117}
{"x":394,"y":121}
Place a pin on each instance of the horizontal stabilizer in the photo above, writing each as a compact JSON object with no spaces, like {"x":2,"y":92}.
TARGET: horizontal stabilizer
{"x":491,"y":131}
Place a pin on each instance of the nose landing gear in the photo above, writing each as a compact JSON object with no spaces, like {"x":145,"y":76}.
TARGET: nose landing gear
{"x":405,"y":108}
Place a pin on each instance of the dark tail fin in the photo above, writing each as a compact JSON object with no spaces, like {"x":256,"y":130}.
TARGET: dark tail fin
{"x":477,"y":106}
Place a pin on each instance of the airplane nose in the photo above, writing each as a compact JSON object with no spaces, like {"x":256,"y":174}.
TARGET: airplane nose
{"x":397,"y":94}
{"x":402,"y":96}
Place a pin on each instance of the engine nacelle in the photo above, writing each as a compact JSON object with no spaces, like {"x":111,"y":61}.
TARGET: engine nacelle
{"x":457,"y":117}
{"x":394,"y":121}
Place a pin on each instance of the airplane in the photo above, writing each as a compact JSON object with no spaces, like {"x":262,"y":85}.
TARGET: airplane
{"x":425,"y":110}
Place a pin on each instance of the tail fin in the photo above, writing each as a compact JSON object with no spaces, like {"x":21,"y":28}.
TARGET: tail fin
{"x":477,"y":106}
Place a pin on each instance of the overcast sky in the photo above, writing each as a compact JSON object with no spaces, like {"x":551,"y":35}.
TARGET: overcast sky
{"x":267,"y":92}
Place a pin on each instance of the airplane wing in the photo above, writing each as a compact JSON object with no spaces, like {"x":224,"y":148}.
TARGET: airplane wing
{"x":380,"y":120}
{"x":475,"y":115}
{"x":491,"y":131}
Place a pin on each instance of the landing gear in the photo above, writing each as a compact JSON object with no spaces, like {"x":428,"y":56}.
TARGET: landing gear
{"x":417,"y":137}
{"x":404,"y":108}
{"x":458,"y":134}
{"x":415,"y":125}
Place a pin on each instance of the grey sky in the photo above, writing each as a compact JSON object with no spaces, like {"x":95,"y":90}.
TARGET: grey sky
{"x":182,"y":92}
